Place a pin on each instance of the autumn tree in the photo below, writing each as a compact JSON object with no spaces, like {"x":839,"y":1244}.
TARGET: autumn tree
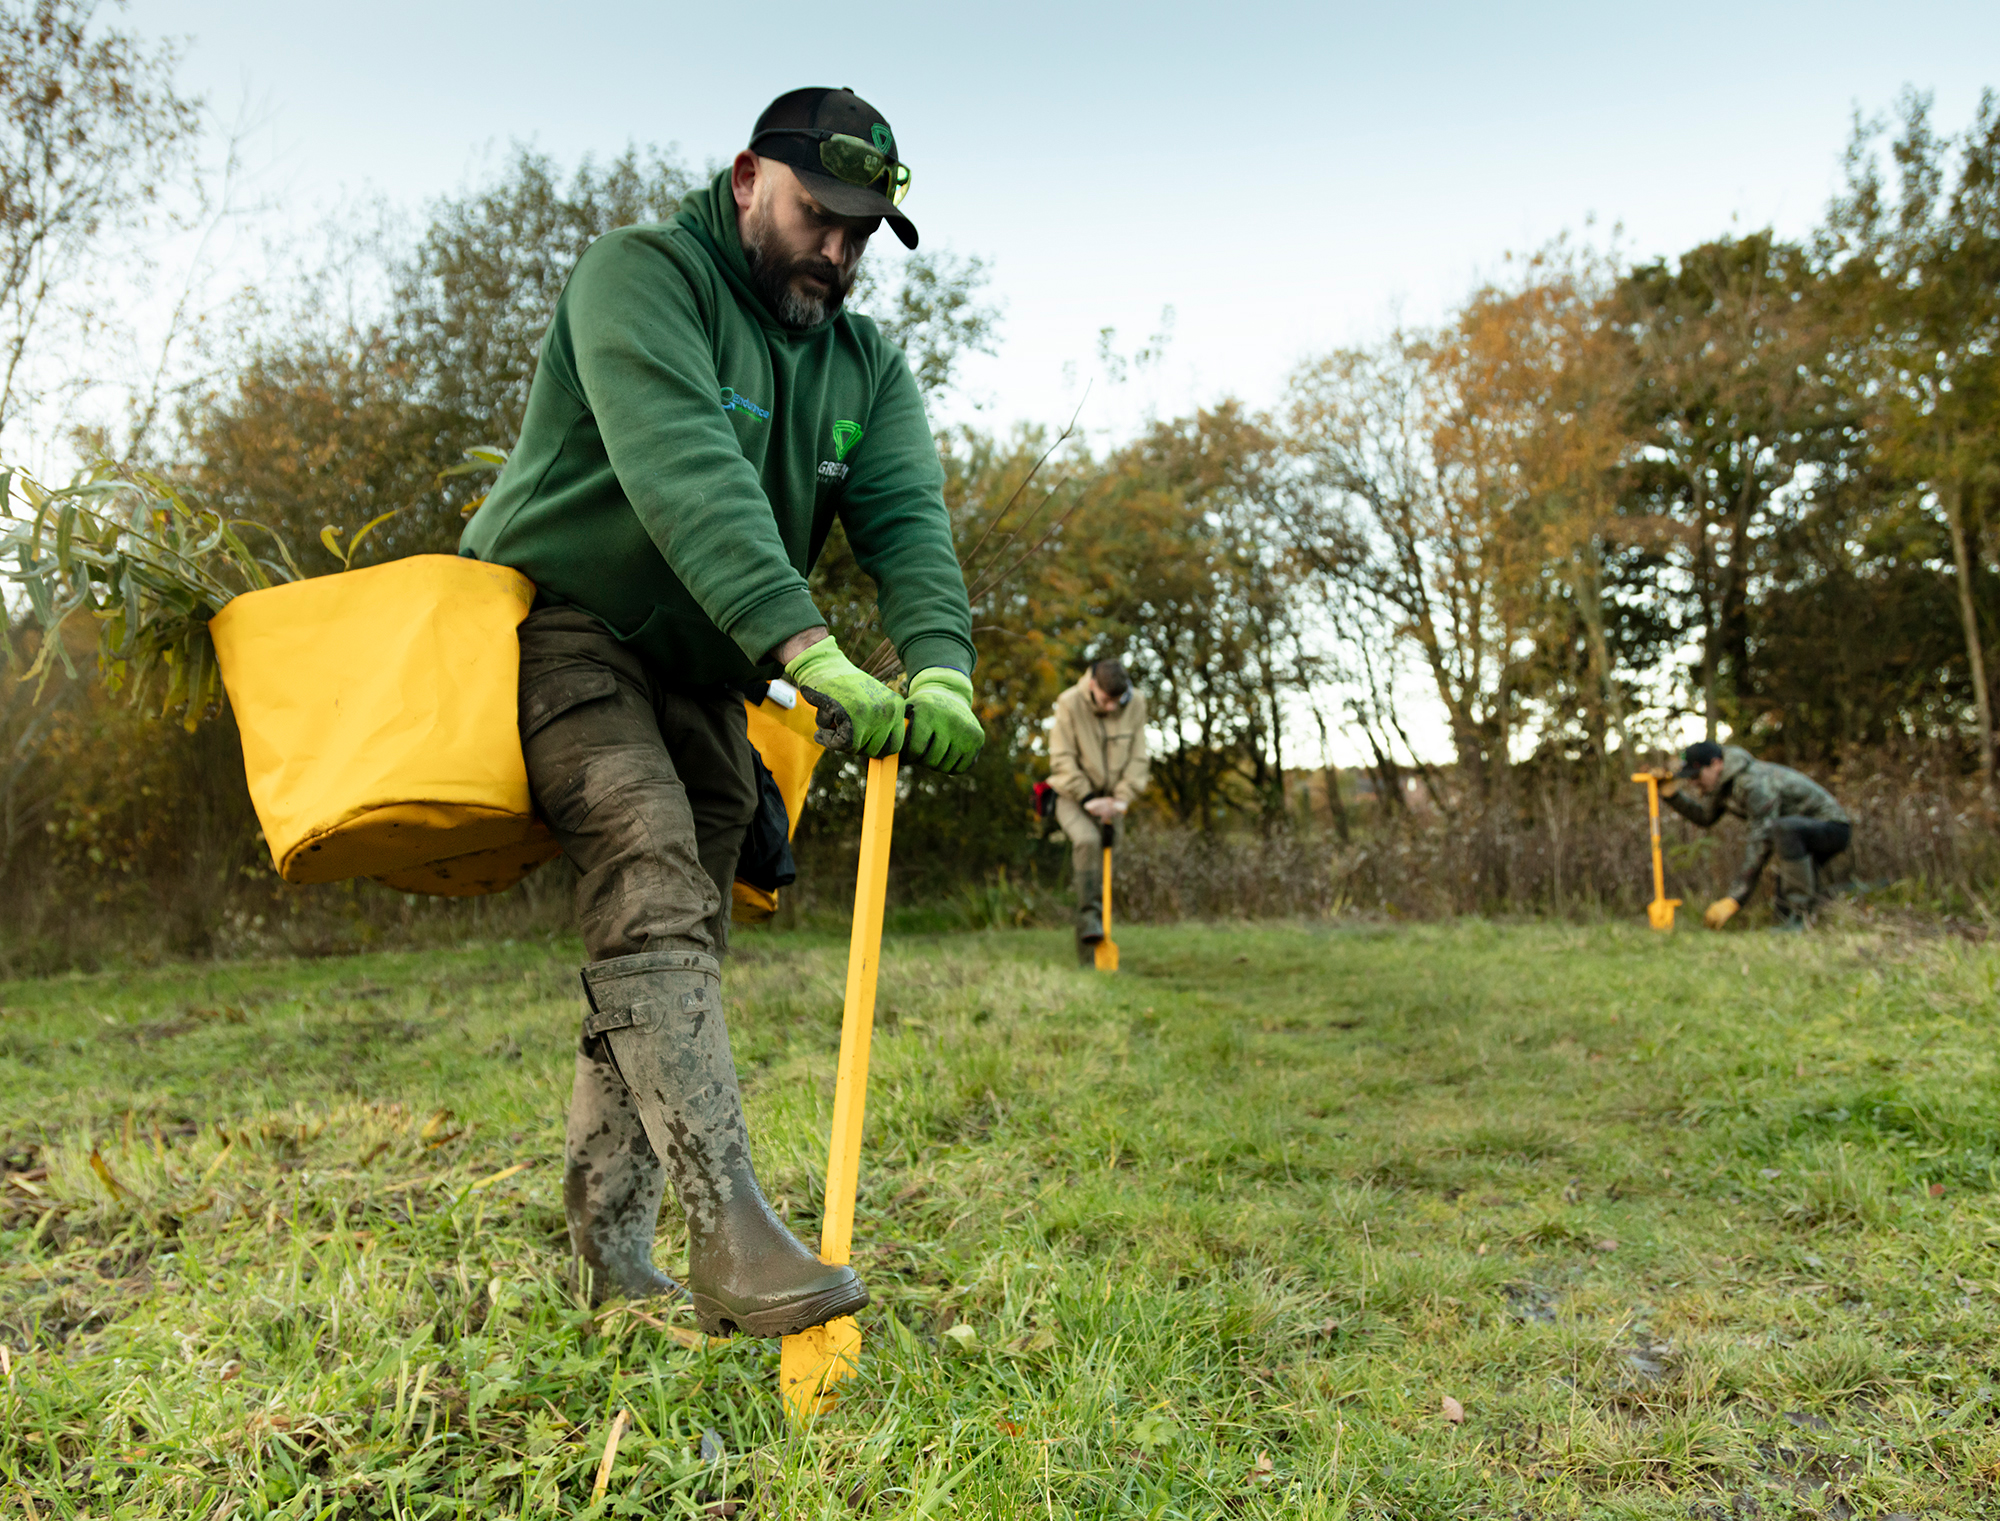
{"x":1196,"y":583}
{"x":337,"y":416}
{"x":1536,"y":378}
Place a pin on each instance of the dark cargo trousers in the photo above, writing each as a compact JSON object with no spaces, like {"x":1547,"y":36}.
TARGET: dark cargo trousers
{"x":648,"y":790}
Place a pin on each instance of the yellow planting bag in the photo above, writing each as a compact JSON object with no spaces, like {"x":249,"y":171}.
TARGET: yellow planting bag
{"x":783,"y":738}
{"x":378,"y":710}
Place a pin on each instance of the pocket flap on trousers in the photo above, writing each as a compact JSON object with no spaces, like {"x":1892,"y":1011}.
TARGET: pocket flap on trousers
{"x":548,"y":697}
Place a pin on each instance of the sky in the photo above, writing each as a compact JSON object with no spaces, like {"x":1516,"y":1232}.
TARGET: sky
{"x":1284,"y":178}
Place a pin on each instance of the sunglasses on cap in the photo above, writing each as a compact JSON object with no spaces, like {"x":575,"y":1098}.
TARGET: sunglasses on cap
{"x":853,"y":162}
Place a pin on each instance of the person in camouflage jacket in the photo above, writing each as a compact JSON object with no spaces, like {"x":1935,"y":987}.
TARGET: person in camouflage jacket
{"x":1786,"y":811}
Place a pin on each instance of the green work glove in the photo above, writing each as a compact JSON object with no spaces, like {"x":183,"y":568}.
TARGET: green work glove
{"x":856,"y":712}
{"x":944,"y":731}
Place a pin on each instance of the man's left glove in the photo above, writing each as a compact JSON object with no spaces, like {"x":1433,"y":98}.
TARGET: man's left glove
{"x":1720,"y":912}
{"x":856,"y":712}
{"x":944,"y":731}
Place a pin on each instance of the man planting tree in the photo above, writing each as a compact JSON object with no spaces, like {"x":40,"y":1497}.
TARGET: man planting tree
{"x":702,"y":410}
{"x":1097,"y":769}
{"x":1787,"y":812}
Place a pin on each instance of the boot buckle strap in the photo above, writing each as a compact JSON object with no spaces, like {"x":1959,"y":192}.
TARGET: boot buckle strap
{"x":640,"y":1014}
{"x":649,"y":1014}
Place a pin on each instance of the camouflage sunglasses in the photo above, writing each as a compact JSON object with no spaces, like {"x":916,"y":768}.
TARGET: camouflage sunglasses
{"x":854,"y":162}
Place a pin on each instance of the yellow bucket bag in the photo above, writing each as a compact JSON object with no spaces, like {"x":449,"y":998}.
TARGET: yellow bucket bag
{"x":378,"y":710}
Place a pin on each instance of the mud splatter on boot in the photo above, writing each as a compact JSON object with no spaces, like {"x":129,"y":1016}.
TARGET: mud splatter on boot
{"x":612,"y":1186}
{"x":660,"y":1012}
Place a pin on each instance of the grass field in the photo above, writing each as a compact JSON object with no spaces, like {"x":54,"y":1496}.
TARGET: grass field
{"x":1297,"y":1220}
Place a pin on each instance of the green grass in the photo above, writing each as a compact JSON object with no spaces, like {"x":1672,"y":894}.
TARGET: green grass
{"x":1686,"y":1225}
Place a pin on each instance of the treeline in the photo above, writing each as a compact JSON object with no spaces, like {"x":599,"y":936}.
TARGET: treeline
{"x":1752,"y":490}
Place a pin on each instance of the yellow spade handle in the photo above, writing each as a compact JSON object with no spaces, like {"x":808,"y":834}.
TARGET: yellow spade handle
{"x":1653,"y":820}
{"x":811,"y":1362}
{"x":1107,"y":892}
{"x":857,"y":1018}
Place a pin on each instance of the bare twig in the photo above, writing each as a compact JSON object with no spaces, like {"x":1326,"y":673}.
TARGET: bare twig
{"x":972,"y":554}
{"x":882,"y":661}
{"x":991,"y":579}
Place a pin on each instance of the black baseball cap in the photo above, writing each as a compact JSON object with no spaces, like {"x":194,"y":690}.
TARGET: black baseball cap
{"x":1698,"y":757}
{"x":790,"y":129}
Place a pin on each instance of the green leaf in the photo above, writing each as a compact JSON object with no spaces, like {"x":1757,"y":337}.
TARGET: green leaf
{"x":366,"y":529}
{"x":477,"y":461}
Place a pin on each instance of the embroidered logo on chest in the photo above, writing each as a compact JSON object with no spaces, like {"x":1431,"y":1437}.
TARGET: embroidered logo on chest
{"x":845,"y":436}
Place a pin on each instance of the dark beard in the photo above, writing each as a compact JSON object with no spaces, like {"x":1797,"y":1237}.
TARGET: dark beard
{"x":773,"y":276}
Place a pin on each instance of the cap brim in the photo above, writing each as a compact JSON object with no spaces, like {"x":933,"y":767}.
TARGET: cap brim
{"x":1688,"y":770}
{"x":843,"y":199}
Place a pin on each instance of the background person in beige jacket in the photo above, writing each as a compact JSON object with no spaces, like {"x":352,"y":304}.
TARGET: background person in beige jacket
{"x":1097,"y":766}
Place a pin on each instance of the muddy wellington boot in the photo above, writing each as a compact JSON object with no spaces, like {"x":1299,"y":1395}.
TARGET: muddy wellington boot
{"x":612,"y":1186}
{"x":1796,"y":891}
{"x":661,"y":1014}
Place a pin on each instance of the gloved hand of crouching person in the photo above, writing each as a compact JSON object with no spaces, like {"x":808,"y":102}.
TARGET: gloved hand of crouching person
{"x":944,"y":731}
{"x":856,"y":712}
{"x":1720,"y":912}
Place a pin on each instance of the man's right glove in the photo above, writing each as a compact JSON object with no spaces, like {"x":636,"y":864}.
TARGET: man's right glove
{"x":1669,"y":785}
{"x":1720,"y":912}
{"x":944,"y":731}
{"x":856,"y":712}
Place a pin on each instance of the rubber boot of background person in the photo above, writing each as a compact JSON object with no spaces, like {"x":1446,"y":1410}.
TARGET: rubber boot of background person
{"x":1089,"y":871}
{"x":1795,"y":883}
{"x":660,"y":1013}
{"x":612,"y":1185}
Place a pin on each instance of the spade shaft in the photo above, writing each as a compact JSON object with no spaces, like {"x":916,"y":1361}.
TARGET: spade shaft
{"x":1107,"y":948}
{"x":813,"y":1361}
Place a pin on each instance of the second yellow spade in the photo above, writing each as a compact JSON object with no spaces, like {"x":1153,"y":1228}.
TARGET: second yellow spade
{"x":1660,"y":912}
{"x":1107,"y":948}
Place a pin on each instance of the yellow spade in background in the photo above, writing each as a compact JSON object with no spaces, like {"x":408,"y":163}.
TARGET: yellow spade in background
{"x":1107,"y":948}
{"x":1660,"y":912}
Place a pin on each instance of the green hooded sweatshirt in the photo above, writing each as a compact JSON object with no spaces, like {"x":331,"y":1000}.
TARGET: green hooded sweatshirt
{"x":683,"y":458}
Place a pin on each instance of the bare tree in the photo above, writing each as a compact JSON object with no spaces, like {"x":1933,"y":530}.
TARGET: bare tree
{"x":1416,"y":530}
{"x":92,"y":131}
